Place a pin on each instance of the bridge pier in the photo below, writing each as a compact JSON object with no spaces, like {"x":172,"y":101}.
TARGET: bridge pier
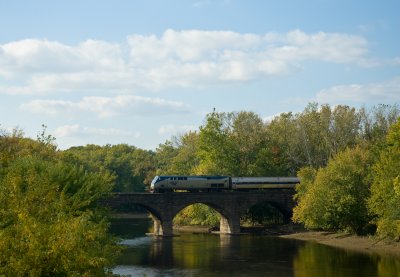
{"x":162,"y":228}
{"x":231,"y":226}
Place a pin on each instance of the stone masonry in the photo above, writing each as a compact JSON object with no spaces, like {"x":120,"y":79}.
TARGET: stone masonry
{"x":231,"y":205}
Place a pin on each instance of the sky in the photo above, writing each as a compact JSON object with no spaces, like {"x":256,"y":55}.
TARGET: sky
{"x":139,"y":72}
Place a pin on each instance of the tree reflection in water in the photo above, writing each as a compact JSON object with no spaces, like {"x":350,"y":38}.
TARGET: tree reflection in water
{"x":314,"y":260}
{"x":246,"y":255}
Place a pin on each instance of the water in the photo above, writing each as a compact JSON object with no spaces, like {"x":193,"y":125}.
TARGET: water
{"x":244,"y":255}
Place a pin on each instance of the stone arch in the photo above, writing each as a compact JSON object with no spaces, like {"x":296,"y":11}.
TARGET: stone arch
{"x":158,"y":219}
{"x":229,"y":221}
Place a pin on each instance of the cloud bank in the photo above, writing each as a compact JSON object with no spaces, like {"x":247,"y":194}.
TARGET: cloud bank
{"x":76,"y":130}
{"x":176,"y":59}
{"x":387,"y":91}
{"x":103,"y":107}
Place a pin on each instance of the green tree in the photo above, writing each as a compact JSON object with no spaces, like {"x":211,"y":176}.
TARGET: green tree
{"x":197,"y":214}
{"x":335,"y":197}
{"x":249,"y":138}
{"x":216,"y":149}
{"x":311,"y":137}
{"x":186,"y":159}
{"x":132,"y":167}
{"x":376,"y":121}
{"x":230,"y":143}
{"x":49,"y":220}
{"x":384,"y":202}
{"x":281,"y":156}
{"x":165,"y":153}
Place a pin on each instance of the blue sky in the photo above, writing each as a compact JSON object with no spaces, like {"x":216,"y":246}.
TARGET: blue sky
{"x":139,"y":72}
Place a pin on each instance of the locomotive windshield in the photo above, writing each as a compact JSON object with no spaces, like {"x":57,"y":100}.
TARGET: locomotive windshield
{"x":155,"y":180}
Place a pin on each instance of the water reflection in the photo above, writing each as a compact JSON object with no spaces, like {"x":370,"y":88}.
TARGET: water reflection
{"x":207,"y":255}
{"x":214,"y":255}
{"x":388,"y":267}
{"x":314,"y":260}
{"x":318,"y":260}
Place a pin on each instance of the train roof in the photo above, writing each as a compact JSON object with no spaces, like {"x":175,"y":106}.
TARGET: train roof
{"x":217,"y":176}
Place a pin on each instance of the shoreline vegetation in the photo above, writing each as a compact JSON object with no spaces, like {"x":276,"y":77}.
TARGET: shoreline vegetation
{"x":364,"y":244}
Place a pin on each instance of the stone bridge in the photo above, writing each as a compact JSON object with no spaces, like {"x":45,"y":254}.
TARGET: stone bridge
{"x":230,"y":205}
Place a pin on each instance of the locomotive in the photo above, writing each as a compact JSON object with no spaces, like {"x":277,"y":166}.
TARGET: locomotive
{"x":208,"y":183}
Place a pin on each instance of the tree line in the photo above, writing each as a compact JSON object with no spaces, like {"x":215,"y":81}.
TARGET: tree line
{"x":347,"y":159}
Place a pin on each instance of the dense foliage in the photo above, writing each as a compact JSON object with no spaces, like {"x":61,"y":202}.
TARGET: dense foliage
{"x":385,"y":191}
{"x":197,"y":214}
{"x":335,"y":197}
{"x":50,"y":224}
{"x":131,"y":167}
{"x":241,"y":144}
{"x":359,"y":185}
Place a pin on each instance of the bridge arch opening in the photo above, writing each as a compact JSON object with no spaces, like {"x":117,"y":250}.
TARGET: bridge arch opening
{"x":265,"y":213}
{"x":206,"y":214}
{"x":197,"y":214}
{"x":158,"y":221}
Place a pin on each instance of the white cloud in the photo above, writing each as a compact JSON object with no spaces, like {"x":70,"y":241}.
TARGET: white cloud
{"x":78,"y":131}
{"x":189,"y":58}
{"x":75,"y":134}
{"x":269,"y":118}
{"x":107,"y":106}
{"x":171,"y":129}
{"x":385,"y":92}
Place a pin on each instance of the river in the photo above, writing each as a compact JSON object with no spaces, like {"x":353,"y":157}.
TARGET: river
{"x":243,"y":255}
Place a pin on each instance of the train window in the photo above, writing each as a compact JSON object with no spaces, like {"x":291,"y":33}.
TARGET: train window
{"x":184,"y":178}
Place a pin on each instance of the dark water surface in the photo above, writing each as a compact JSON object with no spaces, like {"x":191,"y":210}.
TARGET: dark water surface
{"x":244,"y":255}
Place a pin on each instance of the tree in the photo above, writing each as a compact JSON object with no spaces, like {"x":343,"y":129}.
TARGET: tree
{"x":281,"y":155}
{"x":248,"y":137}
{"x":143,"y":168}
{"x":216,"y":150}
{"x":49,"y":220}
{"x":133,"y":168}
{"x":186,"y":159}
{"x":311,"y":137}
{"x":165,"y":153}
{"x":376,"y":121}
{"x":335,"y":197}
{"x":384,"y":202}
{"x":197,"y":214}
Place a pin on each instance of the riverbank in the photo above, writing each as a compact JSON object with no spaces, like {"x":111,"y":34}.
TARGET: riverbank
{"x":349,"y":242}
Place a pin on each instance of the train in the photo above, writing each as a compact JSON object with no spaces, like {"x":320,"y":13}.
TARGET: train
{"x":208,"y":183}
